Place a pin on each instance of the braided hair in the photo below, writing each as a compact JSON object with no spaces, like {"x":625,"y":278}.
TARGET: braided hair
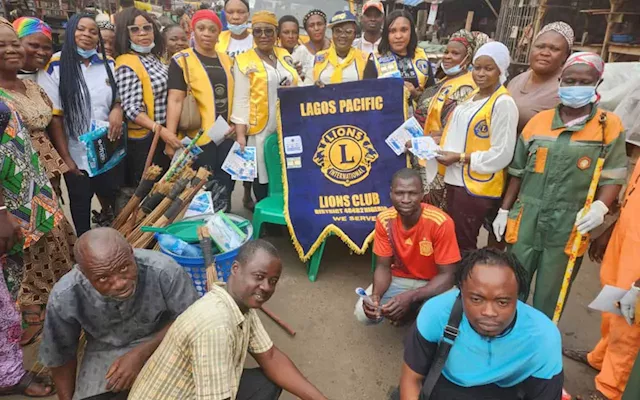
{"x":496,"y":258}
{"x":74,"y":94}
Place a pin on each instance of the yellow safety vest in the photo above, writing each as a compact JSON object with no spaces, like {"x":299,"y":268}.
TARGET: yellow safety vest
{"x":434,"y":113}
{"x":479,"y":139}
{"x":323,"y":58}
{"x":203,"y":89}
{"x":132,"y":61}
{"x":252,"y":66}
{"x":387,"y":64}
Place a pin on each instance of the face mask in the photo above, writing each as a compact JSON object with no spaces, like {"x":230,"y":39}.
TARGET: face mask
{"x":238,"y":29}
{"x":577,"y":96}
{"x":142,"y":49}
{"x":86,"y":54}
{"x":453,"y":70}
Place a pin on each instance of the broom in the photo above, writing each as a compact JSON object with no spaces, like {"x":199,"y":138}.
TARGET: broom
{"x":176,"y":207}
{"x":160,"y":189}
{"x":151,"y":202}
{"x":142,"y":191}
{"x":577,"y":241}
{"x":176,"y":190}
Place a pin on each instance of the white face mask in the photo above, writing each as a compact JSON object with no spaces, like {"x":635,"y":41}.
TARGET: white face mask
{"x":142,"y":49}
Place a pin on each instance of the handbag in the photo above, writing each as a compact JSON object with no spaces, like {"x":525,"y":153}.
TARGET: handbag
{"x":448,"y":338}
{"x":190,"y":117}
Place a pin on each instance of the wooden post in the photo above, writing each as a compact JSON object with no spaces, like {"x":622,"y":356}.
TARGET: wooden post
{"x":422,"y":24}
{"x":542,"y":11}
{"x":493,"y":9}
{"x":615,"y":5}
{"x":469,"y":23}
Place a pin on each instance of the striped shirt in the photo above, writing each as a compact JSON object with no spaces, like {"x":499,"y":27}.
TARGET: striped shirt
{"x":203,"y":354}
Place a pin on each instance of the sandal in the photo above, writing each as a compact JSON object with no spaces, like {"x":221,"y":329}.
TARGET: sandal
{"x":577,"y":356}
{"x":594,"y":395}
{"x":27,"y":380}
{"x":29,"y":340}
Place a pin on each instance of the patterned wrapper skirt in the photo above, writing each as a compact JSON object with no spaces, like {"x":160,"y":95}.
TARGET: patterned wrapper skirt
{"x":45,"y":262}
{"x":11,"y":369}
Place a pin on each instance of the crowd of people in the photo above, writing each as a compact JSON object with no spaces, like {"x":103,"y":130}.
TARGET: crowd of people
{"x":518,"y":157}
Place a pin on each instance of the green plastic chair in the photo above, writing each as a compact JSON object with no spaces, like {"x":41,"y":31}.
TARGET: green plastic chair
{"x":271,"y":208}
{"x":313,"y":264}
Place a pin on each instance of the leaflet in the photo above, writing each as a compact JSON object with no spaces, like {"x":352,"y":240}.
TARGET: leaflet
{"x":241,"y":165}
{"x":424,"y":147}
{"x":399,"y":138}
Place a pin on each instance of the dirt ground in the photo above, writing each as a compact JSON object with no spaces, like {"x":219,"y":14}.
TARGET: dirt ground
{"x":349,"y":361}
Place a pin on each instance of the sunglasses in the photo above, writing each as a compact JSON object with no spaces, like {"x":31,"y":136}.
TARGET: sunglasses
{"x":344,"y":32}
{"x":136,"y":29}
{"x":268,"y":32}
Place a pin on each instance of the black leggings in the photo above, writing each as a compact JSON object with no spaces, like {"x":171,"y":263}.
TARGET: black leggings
{"x":81,"y":189}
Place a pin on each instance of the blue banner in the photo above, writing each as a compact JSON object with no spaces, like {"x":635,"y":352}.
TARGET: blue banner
{"x":336,"y":165}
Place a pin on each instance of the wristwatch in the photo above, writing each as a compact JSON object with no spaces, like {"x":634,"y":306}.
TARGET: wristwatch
{"x":463,"y":158}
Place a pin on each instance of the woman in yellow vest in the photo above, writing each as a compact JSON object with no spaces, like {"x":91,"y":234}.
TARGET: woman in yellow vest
{"x":315,"y":24}
{"x":399,"y":55}
{"x":258,"y":74}
{"x":237,"y":39}
{"x":478,"y":144}
{"x":289,"y":33}
{"x":142,"y":84}
{"x":342,"y":62}
{"x":437,"y":103}
{"x":208,"y":74}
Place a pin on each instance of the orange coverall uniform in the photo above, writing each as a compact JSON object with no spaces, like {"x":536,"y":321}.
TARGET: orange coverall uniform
{"x":616,"y":351}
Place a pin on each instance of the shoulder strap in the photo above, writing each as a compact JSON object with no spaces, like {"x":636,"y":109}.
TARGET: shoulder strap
{"x":186,"y":71}
{"x":448,"y":338}
{"x":396,"y":258}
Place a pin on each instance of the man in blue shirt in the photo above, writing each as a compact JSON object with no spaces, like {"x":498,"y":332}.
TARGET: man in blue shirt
{"x":505,"y":349}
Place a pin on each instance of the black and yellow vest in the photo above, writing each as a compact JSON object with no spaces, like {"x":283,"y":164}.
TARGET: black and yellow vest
{"x":132,"y":61}
{"x":434,"y":113}
{"x":202,"y":88}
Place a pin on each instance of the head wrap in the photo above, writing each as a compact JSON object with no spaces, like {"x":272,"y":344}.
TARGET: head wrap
{"x":561,"y":28}
{"x":500,"y":55}
{"x":106,"y":25}
{"x":206,"y":14}
{"x":266,"y":17}
{"x":25,"y":26}
{"x":471,"y":40}
{"x":311,"y":14}
{"x":591,"y":59}
{"x":466,"y":38}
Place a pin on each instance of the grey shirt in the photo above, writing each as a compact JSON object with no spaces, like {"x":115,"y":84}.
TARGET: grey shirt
{"x":112,"y":327}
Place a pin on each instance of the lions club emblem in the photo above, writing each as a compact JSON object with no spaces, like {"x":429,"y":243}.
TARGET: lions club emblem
{"x":345,"y":155}
{"x":481,"y":129}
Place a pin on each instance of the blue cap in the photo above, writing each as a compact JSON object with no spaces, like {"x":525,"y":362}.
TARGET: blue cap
{"x":341,"y":17}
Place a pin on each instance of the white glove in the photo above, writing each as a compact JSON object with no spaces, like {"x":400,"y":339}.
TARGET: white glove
{"x":628,"y":304}
{"x":592,"y":218}
{"x":500,"y":224}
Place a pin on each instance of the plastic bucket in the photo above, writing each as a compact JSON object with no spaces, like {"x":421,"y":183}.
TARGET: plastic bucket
{"x":195,"y":265}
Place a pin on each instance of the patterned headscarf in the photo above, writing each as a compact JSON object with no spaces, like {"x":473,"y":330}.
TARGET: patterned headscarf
{"x":471,"y":40}
{"x":105,"y":25}
{"x":561,"y":28}
{"x":26,"y":26}
{"x":591,"y":59}
{"x":311,"y":14}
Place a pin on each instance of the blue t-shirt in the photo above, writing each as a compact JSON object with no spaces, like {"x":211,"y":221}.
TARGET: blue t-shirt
{"x":529,"y":353}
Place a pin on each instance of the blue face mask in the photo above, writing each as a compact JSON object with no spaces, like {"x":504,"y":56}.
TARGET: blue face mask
{"x":455,"y":70}
{"x":86,"y":54}
{"x":238,"y":29}
{"x":142,"y":49}
{"x":577,"y":96}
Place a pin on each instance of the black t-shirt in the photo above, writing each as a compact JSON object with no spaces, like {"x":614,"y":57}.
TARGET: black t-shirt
{"x":406,"y":69}
{"x":217,"y":77}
